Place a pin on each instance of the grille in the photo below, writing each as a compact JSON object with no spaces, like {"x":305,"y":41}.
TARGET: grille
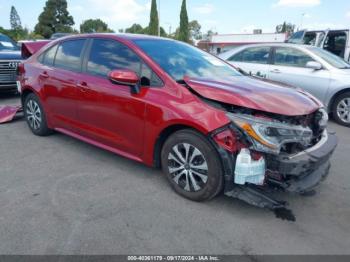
{"x":8,"y":71}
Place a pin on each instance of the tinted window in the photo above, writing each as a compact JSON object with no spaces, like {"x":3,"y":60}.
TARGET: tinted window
{"x":179,"y":60}
{"x":69,"y":55}
{"x":108,"y":55}
{"x":291,"y":57}
{"x":48,"y":57}
{"x":258,"y":55}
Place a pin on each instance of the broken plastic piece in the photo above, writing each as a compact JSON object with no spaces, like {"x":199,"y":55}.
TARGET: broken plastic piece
{"x":8,"y":113}
{"x":249,"y":171}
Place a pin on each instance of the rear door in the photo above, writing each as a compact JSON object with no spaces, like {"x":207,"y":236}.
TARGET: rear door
{"x":253,"y":60}
{"x":60,"y":83}
{"x":289,"y":66}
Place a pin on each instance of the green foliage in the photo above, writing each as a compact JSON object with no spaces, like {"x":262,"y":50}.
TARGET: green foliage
{"x":195,"y":30}
{"x":285,"y":28}
{"x":54,"y":18}
{"x":154,"y":22}
{"x":135,"y":29}
{"x":184,"y":34}
{"x":94,"y":26}
{"x":138,"y":29}
{"x":15,"y":20}
{"x":15,"y":34}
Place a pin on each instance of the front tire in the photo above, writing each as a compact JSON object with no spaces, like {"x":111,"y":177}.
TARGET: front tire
{"x":192,"y":165}
{"x":35,"y":116}
{"x":341,"y":109}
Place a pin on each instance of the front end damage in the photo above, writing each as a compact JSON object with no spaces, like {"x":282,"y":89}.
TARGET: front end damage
{"x":295,"y":151}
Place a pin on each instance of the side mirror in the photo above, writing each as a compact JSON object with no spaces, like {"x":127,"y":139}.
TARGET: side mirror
{"x":314,"y":65}
{"x":125,"y":77}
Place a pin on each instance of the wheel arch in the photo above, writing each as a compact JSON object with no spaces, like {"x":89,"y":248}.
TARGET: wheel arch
{"x":163,"y":136}
{"x":334,"y":96}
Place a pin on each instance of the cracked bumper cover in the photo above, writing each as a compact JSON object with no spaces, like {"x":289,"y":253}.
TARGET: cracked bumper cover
{"x":305,"y":170}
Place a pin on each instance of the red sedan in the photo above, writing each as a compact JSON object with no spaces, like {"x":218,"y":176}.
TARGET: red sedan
{"x":168,"y":104}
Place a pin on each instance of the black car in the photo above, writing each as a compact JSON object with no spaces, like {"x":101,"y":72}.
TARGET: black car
{"x":10,"y":57}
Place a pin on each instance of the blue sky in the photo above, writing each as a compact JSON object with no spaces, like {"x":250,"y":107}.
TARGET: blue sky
{"x":223,"y":16}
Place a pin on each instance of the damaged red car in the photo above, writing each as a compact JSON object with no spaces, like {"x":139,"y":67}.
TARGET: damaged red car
{"x":170,"y":105}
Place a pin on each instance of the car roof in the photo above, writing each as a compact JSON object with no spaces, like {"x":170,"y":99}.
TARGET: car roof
{"x":125,"y":36}
{"x":240,"y":48}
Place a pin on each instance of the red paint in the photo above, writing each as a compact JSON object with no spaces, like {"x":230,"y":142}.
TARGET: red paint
{"x":107,"y":114}
{"x":7,"y":113}
{"x":124,"y":76}
{"x":255,"y":94}
{"x":30,"y":48}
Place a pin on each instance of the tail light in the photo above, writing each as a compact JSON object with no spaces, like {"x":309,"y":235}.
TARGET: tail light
{"x":20,"y":69}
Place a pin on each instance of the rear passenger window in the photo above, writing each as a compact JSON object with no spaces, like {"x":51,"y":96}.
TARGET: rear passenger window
{"x":259,"y":55}
{"x":68,"y":55}
{"x":48,"y":57}
{"x":108,"y":55}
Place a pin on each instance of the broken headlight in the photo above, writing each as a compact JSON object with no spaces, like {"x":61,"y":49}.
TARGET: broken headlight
{"x":268,"y":135}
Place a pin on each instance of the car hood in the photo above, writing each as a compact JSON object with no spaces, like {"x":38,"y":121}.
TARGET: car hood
{"x":255,"y":94}
{"x":10,"y":55}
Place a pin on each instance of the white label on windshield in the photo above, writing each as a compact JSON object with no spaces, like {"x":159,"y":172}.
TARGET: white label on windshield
{"x":7,"y":44}
{"x":214,"y":61}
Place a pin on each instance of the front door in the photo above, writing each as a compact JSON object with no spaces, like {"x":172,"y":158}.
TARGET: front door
{"x":109,"y":113}
{"x":289,"y":66}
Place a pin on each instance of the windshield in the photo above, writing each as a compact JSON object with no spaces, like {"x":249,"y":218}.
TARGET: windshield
{"x":6,"y":44}
{"x":180,"y":60}
{"x":330,"y":58}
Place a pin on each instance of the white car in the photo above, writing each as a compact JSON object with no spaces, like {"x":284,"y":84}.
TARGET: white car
{"x":313,"y":69}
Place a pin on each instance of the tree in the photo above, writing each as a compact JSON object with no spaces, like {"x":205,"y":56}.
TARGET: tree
{"x":54,"y":18}
{"x":94,"y":26}
{"x":135,"y":29}
{"x":285,"y":28}
{"x":195,"y":30}
{"x":209,"y":34}
{"x":154,"y":22}
{"x":15,"y":20}
{"x":184,"y":34}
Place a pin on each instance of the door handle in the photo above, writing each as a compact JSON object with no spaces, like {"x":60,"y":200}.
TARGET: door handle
{"x":276,"y":71}
{"x":44,"y":75}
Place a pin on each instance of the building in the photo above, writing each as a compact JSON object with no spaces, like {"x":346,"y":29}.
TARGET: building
{"x":222,"y":43}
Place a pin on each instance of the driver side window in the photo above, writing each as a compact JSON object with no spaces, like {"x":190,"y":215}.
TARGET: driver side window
{"x":285,"y":56}
{"x":107,"y":55}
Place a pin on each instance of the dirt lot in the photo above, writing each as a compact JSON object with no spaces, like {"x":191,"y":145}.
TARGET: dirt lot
{"x":62,"y":196}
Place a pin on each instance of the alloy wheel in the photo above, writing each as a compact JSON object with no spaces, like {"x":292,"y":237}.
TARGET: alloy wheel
{"x":343,"y":110}
{"x":188,"y":167}
{"x":34,"y":116}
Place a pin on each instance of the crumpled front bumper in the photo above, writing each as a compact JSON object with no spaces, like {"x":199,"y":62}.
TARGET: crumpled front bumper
{"x":304,"y":171}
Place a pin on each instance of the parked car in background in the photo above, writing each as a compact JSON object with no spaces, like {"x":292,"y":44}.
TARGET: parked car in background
{"x":10,"y":57}
{"x":313,"y":69}
{"x":334,"y":41}
{"x":168,"y":104}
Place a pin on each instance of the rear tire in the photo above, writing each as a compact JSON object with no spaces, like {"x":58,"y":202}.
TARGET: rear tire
{"x":341,"y":109}
{"x":192,"y":165}
{"x":35,"y":116}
